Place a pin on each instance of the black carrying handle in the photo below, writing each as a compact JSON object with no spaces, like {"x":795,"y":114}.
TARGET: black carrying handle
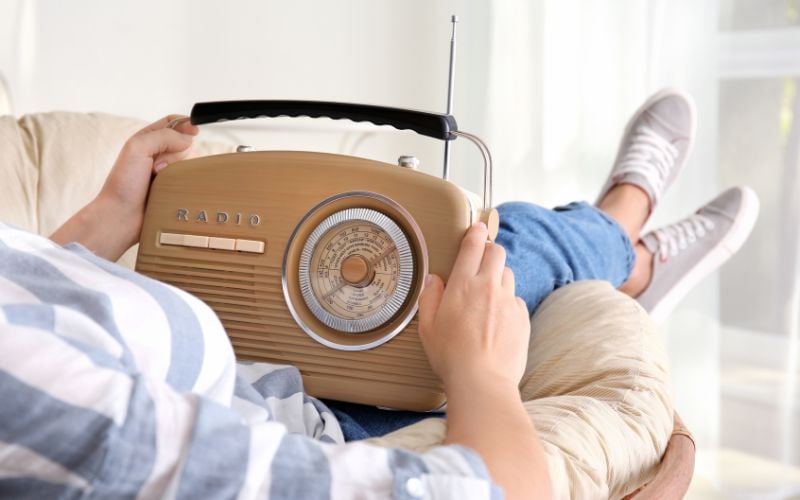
{"x":434,"y":125}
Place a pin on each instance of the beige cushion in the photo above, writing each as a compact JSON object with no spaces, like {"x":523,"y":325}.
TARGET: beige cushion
{"x":19,"y":176}
{"x":5,"y":97}
{"x":597,"y":389}
{"x":52,"y":164}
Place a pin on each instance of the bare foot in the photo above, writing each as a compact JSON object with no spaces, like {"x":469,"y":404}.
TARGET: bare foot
{"x":629,"y":205}
{"x":639,"y":279}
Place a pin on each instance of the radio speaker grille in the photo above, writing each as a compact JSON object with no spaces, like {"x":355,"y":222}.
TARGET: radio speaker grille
{"x":249,"y":301}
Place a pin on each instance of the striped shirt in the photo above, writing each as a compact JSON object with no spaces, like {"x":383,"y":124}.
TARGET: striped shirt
{"x":113,"y":385}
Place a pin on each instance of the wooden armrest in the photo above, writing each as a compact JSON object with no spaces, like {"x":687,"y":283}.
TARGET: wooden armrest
{"x":676,"y":469}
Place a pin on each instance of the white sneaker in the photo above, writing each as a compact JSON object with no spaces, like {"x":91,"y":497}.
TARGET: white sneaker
{"x":686,"y":252}
{"x":655,"y":146}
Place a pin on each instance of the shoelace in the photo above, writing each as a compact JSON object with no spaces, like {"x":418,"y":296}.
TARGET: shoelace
{"x":649,"y":155}
{"x":676,"y":237}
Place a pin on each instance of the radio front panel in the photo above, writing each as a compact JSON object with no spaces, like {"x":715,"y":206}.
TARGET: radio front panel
{"x":314,"y":260}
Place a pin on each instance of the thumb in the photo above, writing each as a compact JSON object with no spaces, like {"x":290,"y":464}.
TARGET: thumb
{"x":429,"y":302}
{"x":160,"y":141}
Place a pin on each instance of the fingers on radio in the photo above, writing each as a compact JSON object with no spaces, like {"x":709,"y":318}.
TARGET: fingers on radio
{"x":493,"y":264}
{"x":508,"y":281}
{"x":429,"y":302}
{"x":184,"y":128}
{"x":470,"y":255}
{"x":180,"y":139}
{"x":162,"y":141}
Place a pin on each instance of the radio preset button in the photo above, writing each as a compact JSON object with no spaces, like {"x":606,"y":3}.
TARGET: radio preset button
{"x":222,"y":243}
{"x":170,"y":239}
{"x":194,"y":240}
{"x":198,"y":241}
{"x":251,"y":246}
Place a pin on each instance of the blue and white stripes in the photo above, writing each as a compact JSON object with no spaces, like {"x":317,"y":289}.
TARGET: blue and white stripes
{"x":113,"y":385}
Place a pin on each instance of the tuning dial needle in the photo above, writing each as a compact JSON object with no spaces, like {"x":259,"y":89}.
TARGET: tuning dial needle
{"x":382,"y":255}
{"x":335,"y":289}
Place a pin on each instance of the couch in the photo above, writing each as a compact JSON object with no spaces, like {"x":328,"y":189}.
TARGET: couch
{"x":605,"y":425}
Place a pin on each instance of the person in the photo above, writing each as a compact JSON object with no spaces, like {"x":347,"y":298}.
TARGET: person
{"x":117,"y":385}
{"x":547,"y":249}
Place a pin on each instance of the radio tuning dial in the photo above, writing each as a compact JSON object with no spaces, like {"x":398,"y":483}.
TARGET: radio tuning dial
{"x":356,"y":270}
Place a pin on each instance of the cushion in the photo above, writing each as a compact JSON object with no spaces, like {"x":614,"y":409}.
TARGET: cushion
{"x":597,"y":389}
{"x":52,"y":164}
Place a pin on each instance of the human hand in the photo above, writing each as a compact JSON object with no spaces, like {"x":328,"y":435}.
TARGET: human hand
{"x":112,"y":222}
{"x":475,"y":328}
{"x":144,"y":154}
{"x":476,"y":334}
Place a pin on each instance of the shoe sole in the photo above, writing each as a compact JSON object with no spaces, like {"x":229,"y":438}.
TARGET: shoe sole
{"x":722,"y":251}
{"x":661,"y":94}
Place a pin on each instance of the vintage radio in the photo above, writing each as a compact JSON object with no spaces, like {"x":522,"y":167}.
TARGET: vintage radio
{"x":311,"y":259}
{"x":316,"y":260}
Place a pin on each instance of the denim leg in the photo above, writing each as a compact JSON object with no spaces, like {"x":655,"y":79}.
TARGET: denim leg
{"x":362,"y":422}
{"x":547,"y":249}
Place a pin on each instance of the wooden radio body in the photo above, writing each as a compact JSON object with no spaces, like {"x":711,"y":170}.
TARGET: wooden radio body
{"x":316,"y":260}
{"x":230,"y":229}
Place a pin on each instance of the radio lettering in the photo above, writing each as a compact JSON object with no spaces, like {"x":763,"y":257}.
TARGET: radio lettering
{"x":220,"y":217}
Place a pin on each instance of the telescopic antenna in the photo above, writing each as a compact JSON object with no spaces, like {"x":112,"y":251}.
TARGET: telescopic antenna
{"x":450,"y":84}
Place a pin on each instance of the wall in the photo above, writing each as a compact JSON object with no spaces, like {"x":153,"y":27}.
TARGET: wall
{"x":149,"y":58}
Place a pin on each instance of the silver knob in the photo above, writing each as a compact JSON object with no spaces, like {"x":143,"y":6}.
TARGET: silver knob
{"x":244,"y":149}
{"x":408,"y":162}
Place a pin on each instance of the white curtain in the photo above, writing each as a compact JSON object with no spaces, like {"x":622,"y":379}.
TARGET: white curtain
{"x":564,"y":77}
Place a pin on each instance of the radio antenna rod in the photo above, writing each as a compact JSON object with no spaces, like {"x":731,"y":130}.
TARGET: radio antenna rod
{"x":450,"y":84}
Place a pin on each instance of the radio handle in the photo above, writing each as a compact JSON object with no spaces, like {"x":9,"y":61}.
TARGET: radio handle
{"x":437,"y":126}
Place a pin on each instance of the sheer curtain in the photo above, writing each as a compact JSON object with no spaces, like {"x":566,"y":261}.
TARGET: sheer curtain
{"x":564,"y":76}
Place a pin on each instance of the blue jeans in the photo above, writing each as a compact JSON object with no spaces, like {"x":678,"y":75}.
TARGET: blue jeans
{"x":546,"y":249}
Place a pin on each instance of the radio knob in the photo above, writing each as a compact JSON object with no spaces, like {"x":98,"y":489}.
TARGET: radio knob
{"x":408,"y":162}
